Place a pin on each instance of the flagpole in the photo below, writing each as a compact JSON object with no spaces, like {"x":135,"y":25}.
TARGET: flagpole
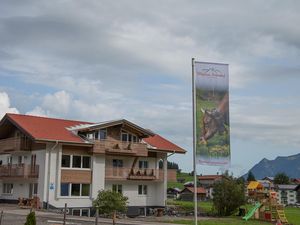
{"x":194,"y":144}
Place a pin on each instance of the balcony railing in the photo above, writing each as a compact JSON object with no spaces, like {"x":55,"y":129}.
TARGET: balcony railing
{"x":120,"y":147}
{"x":14,"y":144}
{"x":19,"y":171}
{"x":121,"y":173}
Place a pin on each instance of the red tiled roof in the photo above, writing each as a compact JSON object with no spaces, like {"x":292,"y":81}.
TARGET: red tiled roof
{"x":209,"y":177}
{"x":52,"y":129}
{"x":43,"y":128}
{"x":163,"y":144}
{"x":200,"y":190}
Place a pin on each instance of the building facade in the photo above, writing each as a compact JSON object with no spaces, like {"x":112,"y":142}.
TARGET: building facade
{"x":64,"y":161}
{"x":286,"y":194}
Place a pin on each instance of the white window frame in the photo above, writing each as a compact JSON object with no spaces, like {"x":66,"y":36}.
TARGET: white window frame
{"x":117,"y":188}
{"x":34,"y":189}
{"x":8,"y":188}
{"x":144,"y":162}
{"x":9,"y":160}
{"x":143,"y":190}
{"x":81,"y":162}
{"x":127,"y":134}
{"x":80,"y":192}
{"x":89,"y":212}
{"x":99,"y":136}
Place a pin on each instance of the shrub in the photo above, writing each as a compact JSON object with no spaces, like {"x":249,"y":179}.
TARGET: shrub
{"x":30,"y":219}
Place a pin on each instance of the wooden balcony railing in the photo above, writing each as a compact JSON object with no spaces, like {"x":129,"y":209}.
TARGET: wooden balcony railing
{"x":14,"y":144}
{"x":120,"y":147}
{"x":121,"y":173}
{"x":19,"y":171}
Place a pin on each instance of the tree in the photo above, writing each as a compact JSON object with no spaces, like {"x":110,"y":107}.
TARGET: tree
{"x":281,"y":178}
{"x":109,"y":202}
{"x":228,"y":195}
{"x":30,"y":219}
{"x":251,"y":177}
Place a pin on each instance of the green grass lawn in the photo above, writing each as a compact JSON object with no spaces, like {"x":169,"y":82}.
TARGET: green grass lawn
{"x":189,"y":206}
{"x":292,"y":214}
{"x":187,"y":178}
{"x":221,"y":221}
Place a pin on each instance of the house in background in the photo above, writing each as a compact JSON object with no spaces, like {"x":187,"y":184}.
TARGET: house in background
{"x":65,"y":161}
{"x":270,"y":179}
{"x":295,"y":180}
{"x":268,"y":185}
{"x":207,"y":182}
{"x":287,"y":194}
{"x":187,"y":194}
{"x":173,"y":193}
{"x":297,"y":189}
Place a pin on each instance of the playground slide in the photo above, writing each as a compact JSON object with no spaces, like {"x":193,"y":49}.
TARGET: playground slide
{"x":251,"y":212}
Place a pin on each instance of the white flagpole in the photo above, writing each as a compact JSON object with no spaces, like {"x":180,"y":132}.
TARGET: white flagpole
{"x":194,"y":143}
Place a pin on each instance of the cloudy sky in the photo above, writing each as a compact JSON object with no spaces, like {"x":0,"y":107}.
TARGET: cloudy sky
{"x":100,"y":59}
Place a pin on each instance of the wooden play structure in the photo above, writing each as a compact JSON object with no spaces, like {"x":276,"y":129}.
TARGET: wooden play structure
{"x":266,"y":207}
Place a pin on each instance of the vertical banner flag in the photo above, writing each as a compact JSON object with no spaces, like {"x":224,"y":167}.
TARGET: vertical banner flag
{"x":212,"y":113}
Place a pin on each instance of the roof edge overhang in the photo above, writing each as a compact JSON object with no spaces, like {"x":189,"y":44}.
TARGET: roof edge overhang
{"x":166,"y":151}
{"x":64,"y":142}
{"x":123,"y":122}
{"x":7,"y":117}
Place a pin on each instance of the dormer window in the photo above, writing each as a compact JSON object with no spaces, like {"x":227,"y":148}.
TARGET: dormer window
{"x":90,"y":136}
{"x":97,"y":135}
{"x":102,"y":134}
{"x":127,"y":137}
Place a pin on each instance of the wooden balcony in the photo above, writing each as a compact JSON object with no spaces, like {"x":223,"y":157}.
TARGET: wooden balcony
{"x":121,"y":173}
{"x":19,"y":171}
{"x":14,"y":144}
{"x":120,"y":148}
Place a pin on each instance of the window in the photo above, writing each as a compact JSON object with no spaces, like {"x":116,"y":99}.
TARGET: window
{"x":65,"y":161}
{"x":33,"y":189}
{"x":124,"y":136}
{"x":134,"y":138}
{"x":20,"y":160}
{"x":75,"y":189}
{"x":117,"y":188}
{"x":143,"y":164}
{"x":81,"y":212}
{"x":117,"y":163}
{"x":9,"y":160}
{"x":143,"y":189}
{"x":76,"y":161}
{"x":90,"y":136}
{"x":85,"y":212}
{"x":8,"y":188}
{"x":86,"y":162}
{"x":128,"y":137}
{"x":69,"y":189}
{"x":102,"y":134}
{"x":85,"y":190}
{"x":76,"y":212}
{"x":96,"y":135}
{"x":64,"y":189}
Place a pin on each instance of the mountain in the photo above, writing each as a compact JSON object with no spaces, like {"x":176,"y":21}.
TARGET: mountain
{"x":269,"y":168}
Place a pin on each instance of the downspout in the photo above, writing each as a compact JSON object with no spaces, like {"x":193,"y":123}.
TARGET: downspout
{"x":48,"y":175}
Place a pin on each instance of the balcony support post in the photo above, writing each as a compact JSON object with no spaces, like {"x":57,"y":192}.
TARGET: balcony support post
{"x":165,"y":168}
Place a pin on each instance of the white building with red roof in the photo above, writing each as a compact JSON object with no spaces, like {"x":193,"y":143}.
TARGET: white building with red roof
{"x":61,"y":161}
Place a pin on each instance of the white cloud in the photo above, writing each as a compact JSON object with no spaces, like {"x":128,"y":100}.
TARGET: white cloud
{"x":264,"y":120}
{"x":5,"y":106}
